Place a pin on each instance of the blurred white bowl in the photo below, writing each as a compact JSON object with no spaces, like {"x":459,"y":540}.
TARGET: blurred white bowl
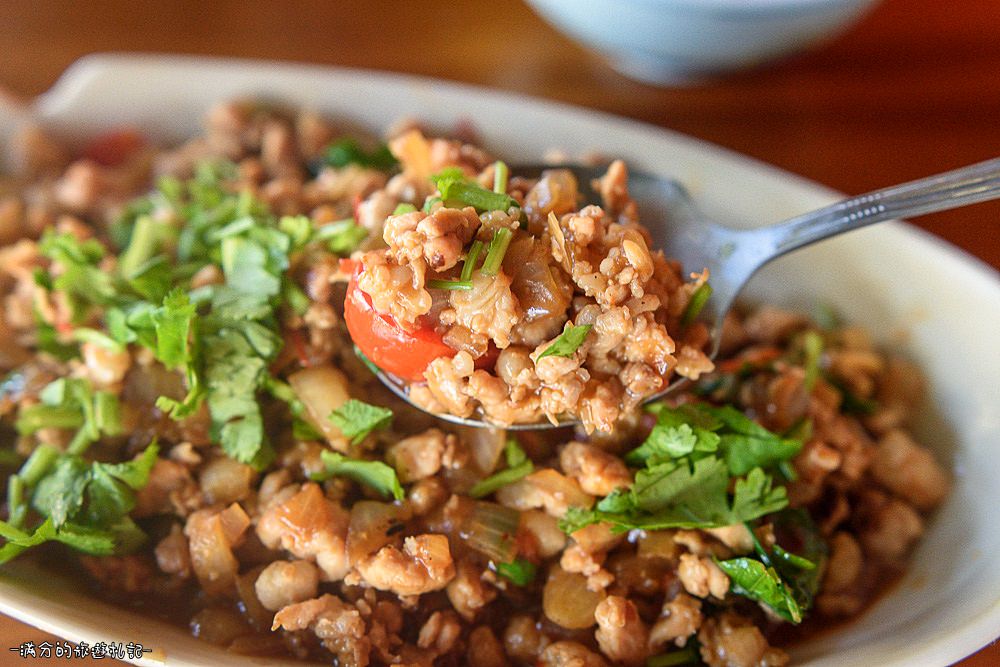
{"x":670,"y":42}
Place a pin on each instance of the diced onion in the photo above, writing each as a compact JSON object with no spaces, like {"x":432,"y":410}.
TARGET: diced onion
{"x":567,"y":601}
{"x":491,"y":529}
{"x":322,"y":389}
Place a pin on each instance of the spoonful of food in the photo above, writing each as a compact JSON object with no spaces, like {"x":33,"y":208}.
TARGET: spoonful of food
{"x":731,"y":256}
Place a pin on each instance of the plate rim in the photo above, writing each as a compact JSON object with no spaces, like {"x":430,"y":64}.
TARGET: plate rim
{"x":82,"y":73}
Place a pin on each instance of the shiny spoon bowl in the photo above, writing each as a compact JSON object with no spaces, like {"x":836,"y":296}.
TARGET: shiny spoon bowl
{"x":732,"y":256}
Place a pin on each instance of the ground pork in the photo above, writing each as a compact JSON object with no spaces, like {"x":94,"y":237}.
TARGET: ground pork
{"x":732,"y":641}
{"x":336,"y":623}
{"x":424,"y":564}
{"x":309,"y":527}
{"x":621,"y":634}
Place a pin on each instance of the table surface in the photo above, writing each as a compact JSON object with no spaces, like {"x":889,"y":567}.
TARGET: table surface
{"x":911,"y":90}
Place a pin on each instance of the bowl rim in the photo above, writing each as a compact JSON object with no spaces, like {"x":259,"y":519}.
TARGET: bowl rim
{"x":732,"y":8}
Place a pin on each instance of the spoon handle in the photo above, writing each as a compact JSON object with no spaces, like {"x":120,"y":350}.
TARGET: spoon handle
{"x":952,"y":189}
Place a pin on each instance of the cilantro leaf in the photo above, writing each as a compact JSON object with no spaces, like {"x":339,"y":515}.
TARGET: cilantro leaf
{"x":518,"y":467}
{"x":375,"y":474}
{"x":568,"y":342}
{"x":752,"y":579}
{"x":347,"y":151}
{"x":744,"y":443}
{"x":72,"y":403}
{"x":341,"y":237}
{"x":454,"y":186}
{"x":172,"y":323}
{"x":356,"y":419}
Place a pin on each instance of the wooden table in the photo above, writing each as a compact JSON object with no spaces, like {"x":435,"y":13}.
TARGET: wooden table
{"x":913,"y":89}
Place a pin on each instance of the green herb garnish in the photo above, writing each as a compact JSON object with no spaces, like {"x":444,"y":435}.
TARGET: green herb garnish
{"x":685,"y":656}
{"x":356,"y":419}
{"x":470,"y":260}
{"x":518,"y":467}
{"x":347,"y":151}
{"x":753,"y":579}
{"x":519,"y":571}
{"x":341,"y":237}
{"x":501,"y":173}
{"x":568,"y":342}
{"x":375,"y":474}
{"x":812,"y":350}
{"x":404,"y":208}
{"x":86,"y":505}
{"x":455,"y":187}
{"x":461,"y":285}
{"x":496,"y":251}
{"x":690,"y":460}
{"x":694,"y":307}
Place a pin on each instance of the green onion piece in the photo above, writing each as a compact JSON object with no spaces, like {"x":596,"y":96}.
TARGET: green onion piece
{"x":470,"y":261}
{"x":498,"y":248}
{"x":812,"y":344}
{"x":450,"y":284}
{"x":491,"y":529}
{"x":519,"y":571}
{"x":501,"y":173}
{"x":697,"y":302}
{"x":685,"y":656}
{"x":404,"y":208}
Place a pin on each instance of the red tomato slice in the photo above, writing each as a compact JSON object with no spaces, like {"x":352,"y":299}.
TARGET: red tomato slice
{"x":388,"y":345}
{"x":114,"y":148}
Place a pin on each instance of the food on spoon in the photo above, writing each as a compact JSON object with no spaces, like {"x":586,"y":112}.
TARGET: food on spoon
{"x":503,"y":296}
{"x":185,"y":416}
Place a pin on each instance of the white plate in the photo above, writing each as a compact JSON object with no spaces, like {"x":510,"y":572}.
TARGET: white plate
{"x":914,"y":291}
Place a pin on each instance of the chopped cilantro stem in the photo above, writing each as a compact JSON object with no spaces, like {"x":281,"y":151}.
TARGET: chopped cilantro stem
{"x":793,"y":559}
{"x":757,"y":546}
{"x":501,"y":173}
{"x":470,"y":260}
{"x":812,"y":346}
{"x":497,"y":250}
{"x":519,"y":571}
{"x":141,"y":246}
{"x":38,"y":464}
{"x":40,"y":416}
{"x":518,"y":466}
{"x":461,"y":285}
{"x":696,"y":304}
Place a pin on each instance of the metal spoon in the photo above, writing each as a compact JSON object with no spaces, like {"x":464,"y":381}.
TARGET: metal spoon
{"x":732,"y":256}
